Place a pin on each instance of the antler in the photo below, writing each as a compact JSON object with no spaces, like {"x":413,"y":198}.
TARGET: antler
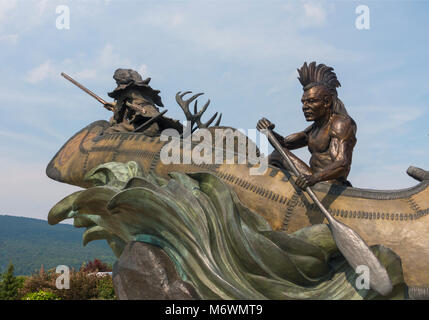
{"x":196,"y":116}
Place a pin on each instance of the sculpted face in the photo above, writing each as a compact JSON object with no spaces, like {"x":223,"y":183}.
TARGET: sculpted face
{"x":316,"y":103}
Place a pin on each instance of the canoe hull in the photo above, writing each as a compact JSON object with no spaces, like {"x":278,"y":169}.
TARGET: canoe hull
{"x":396,"y":219}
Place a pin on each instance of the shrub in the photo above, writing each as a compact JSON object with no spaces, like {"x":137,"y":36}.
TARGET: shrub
{"x":41,"y":295}
{"x":96,"y":266}
{"x":42,"y":281}
{"x":105,"y":288}
{"x":83,"y":285}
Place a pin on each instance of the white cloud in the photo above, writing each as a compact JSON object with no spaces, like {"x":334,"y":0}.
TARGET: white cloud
{"x":376,"y":119}
{"x":45,"y":127}
{"x":25,"y":16}
{"x":99,"y":65}
{"x":274,"y":90}
{"x":177,"y":19}
{"x":256,"y":35}
{"x":22,"y":16}
{"x":109,"y":57}
{"x":308,"y":13}
{"x":6,"y":6}
{"x":41,"y":7}
{"x":314,"y":13}
{"x":28,"y":100}
{"x":142,"y":69}
{"x":27,"y":191}
{"x":9,"y":39}
{"x":86,"y":74}
{"x":27,"y":139}
{"x":42,"y":72}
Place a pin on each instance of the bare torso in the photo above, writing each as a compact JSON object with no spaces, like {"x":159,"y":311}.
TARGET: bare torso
{"x":330,"y":144}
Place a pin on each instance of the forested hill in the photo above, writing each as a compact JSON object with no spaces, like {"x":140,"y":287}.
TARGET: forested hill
{"x":29,"y":243}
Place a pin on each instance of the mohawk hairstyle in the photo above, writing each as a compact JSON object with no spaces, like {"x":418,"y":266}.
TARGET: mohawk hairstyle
{"x":314,"y":75}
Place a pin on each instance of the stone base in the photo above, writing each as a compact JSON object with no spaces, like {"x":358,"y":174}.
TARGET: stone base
{"x":145,"y":272}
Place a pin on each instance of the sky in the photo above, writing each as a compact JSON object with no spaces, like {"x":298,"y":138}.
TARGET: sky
{"x":242,"y":54}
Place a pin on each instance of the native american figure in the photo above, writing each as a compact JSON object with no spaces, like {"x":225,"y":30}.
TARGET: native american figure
{"x":330,"y":139}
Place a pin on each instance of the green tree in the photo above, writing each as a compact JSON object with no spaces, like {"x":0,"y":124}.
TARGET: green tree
{"x":41,"y":295}
{"x":9,"y":285}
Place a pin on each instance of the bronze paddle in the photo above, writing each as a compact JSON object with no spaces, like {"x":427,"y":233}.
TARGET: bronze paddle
{"x":350,"y":244}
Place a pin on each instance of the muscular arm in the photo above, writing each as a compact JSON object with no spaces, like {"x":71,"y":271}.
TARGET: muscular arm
{"x":294,"y":140}
{"x":343,"y":140}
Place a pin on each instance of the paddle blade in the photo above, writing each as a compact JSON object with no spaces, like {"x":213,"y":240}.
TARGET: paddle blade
{"x":357,"y":253}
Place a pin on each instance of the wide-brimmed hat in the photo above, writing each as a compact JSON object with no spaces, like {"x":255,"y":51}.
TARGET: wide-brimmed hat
{"x":128,"y":78}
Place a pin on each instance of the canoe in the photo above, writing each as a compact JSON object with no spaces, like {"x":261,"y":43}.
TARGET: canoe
{"x":397,"y":219}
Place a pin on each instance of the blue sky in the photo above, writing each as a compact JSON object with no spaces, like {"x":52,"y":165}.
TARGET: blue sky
{"x":242,"y":54}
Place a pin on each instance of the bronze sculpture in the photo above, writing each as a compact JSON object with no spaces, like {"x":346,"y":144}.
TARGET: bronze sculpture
{"x":219,"y":248}
{"x":349,"y":243}
{"x":133,"y":91}
{"x":397,"y":219}
{"x":135,"y":106}
{"x":330,"y":139}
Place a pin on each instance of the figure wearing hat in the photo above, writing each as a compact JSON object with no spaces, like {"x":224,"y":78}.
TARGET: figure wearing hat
{"x":135,"y":103}
{"x":330,"y":139}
